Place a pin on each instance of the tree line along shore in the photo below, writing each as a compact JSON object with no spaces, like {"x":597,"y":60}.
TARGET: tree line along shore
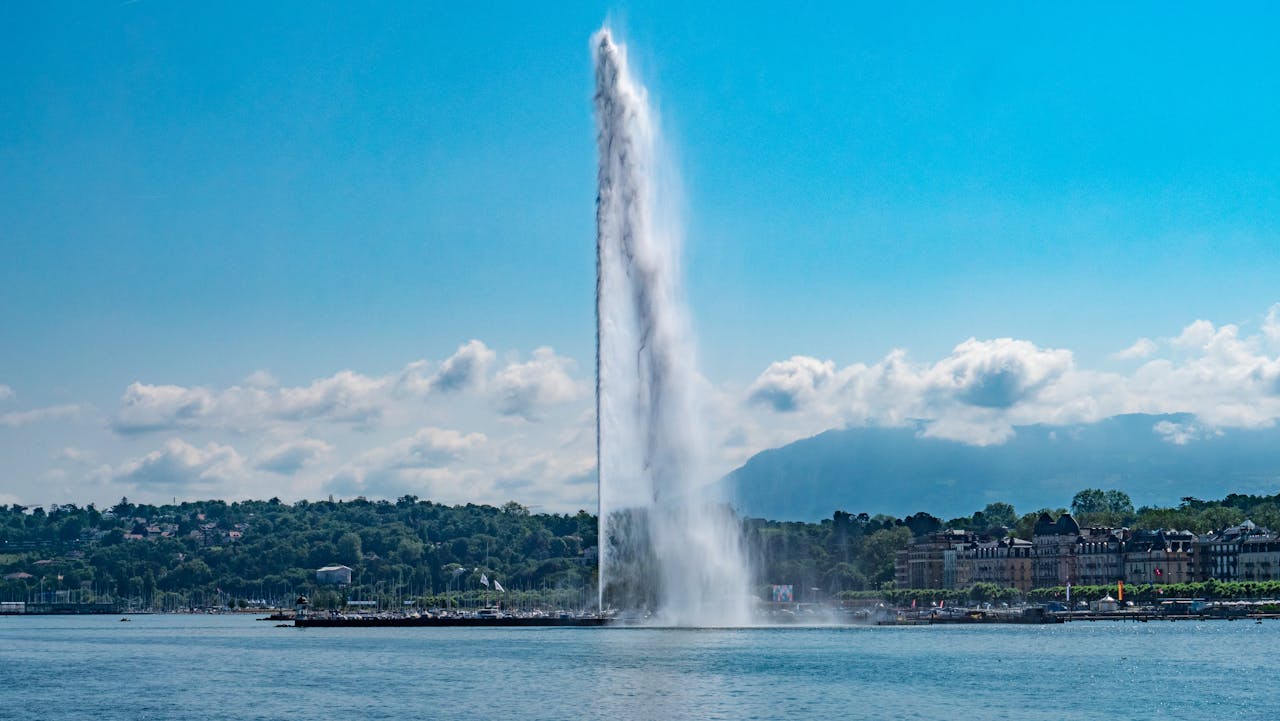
{"x":415,"y":552}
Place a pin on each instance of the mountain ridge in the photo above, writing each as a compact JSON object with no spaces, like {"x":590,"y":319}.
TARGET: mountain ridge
{"x":1157,"y":459}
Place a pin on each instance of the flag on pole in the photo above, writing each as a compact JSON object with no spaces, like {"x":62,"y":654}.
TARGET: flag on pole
{"x":484,"y":580}
{"x":1120,"y":590}
{"x":498,"y":586}
{"x":1068,"y":593}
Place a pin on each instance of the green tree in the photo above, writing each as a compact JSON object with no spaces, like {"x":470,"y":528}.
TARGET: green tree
{"x":879,"y":550}
{"x":350,"y":549}
{"x":1000,"y":514}
{"x":409,"y":551}
{"x":1220,"y":517}
{"x":1090,"y":500}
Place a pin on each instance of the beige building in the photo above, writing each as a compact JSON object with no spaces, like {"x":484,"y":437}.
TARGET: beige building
{"x":1061,"y":552}
{"x":1160,"y":557}
{"x":1004,"y":561}
{"x":1240,"y":553}
{"x":931,"y":560}
{"x":1054,"y":551}
{"x":1099,"y":559}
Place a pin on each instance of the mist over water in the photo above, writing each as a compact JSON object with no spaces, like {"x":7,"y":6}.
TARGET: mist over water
{"x":667,"y":544}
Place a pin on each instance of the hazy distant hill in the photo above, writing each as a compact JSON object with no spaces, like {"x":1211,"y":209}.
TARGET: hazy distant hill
{"x":895,"y":471}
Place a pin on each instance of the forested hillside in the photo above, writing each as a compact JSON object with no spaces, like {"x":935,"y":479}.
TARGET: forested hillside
{"x":216,"y":553}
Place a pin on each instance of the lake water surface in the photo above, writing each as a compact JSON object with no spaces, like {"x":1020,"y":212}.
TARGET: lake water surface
{"x":233,"y":667}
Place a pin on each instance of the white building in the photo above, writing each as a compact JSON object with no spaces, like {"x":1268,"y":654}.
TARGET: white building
{"x":334,"y":575}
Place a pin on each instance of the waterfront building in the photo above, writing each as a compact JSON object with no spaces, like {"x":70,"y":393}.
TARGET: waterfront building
{"x":930,"y":561}
{"x":1260,"y":558}
{"x":1053,"y":551}
{"x":1240,"y":553}
{"x":1004,"y":561}
{"x":1160,"y":557}
{"x":1099,"y":556}
{"x":1062,"y":552}
{"x":334,"y":575}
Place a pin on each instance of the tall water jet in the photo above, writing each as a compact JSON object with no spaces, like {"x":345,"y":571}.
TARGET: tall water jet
{"x":667,"y":545}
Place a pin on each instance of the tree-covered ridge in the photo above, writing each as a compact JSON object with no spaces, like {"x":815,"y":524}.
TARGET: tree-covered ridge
{"x":214,"y":552}
{"x":211,"y":551}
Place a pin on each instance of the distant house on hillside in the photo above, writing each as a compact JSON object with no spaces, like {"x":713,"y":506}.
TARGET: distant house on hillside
{"x":334,"y":575}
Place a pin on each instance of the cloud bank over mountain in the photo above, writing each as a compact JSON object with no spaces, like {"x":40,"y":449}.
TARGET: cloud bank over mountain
{"x":484,"y":426}
{"x":900,"y":470}
{"x":985,"y":388}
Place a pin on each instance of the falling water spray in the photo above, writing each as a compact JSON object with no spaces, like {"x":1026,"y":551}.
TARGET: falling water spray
{"x":667,"y":544}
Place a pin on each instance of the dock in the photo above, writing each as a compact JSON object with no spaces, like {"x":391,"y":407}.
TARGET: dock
{"x":445,"y":622}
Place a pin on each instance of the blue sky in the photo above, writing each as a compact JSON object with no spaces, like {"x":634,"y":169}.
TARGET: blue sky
{"x":189,"y":195}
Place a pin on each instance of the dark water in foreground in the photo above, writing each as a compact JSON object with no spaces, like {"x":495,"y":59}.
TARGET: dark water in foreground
{"x":224,"y":667}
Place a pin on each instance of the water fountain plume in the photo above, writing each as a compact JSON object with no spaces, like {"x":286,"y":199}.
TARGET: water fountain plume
{"x":666,"y":543}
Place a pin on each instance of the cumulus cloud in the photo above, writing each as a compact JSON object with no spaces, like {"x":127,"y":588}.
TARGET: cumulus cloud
{"x":261,"y":379}
{"x":531,"y":426}
{"x":5,"y":392}
{"x":466,"y":367}
{"x":983,"y":389}
{"x":1141,"y":348}
{"x":181,"y":465}
{"x":15,"y":419}
{"x":787,"y":385}
{"x":344,"y":396}
{"x":1196,"y":335}
{"x":428,"y":448}
{"x":421,"y":463}
{"x":147,"y":407}
{"x":525,"y":389}
{"x":996,"y":373}
{"x":965,"y":393}
{"x":289,"y":458}
{"x":1271,"y":326}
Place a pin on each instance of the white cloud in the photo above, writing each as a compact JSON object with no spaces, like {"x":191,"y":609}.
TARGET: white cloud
{"x":261,"y":379}
{"x":161,"y":407}
{"x":426,"y":462}
{"x":1180,"y":434}
{"x":74,"y":455}
{"x":983,"y":389}
{"x":1271,"y":326}
{"x":5,"y":392}
{"x":530,"y":424}
{"x":1141,"y":348}
{"x":344,"y":396}
{"x":970,"y":391}
{"x":289,"y":458}
{"x":16,"y":419}
{"x":465,"y":368}
{"x":996,"y":373}
{"x":525,"y":389}
{"x":428,"y":448}
{"x":1195,"y":335}
{"x":792,"y":383}
{"x":180,"y":465}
